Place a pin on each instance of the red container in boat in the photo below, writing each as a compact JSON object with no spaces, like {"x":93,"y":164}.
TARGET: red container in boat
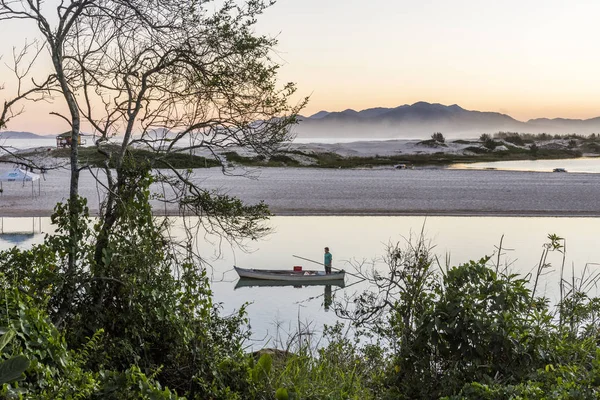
{"x":297,"y":268}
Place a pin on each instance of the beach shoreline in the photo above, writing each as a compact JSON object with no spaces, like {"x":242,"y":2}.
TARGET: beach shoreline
{"x":352,"y":192}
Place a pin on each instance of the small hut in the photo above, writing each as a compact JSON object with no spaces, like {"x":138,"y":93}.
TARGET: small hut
{"x":64,"y":140}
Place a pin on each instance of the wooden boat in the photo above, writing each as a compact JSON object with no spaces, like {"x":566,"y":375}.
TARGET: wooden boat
{"x":290,"y":276}
{"x":248,"y":282}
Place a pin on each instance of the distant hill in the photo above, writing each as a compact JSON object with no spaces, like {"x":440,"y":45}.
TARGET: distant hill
{"x":422,"y":119}
{"x":320,"y":114}
{"x":21,"y":135}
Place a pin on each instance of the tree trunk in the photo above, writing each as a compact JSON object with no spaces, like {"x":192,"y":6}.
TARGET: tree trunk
{"x":74,"y":206}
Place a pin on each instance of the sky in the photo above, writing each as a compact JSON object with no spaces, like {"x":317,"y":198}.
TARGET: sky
{"x":528,"y":59}
{"x":525,"y":58}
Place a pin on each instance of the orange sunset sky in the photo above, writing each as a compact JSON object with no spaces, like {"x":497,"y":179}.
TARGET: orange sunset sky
{"x":528,"y":59}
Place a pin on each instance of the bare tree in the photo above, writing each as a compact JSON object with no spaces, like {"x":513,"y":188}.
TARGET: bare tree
{"x":162,"y":73}
{"x":55,"y":36}
{"x":25,"y":89}
{"x":171,"y":77}
{"x":21,"y":65}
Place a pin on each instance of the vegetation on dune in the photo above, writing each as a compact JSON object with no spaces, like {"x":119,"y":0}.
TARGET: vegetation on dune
{"x":179,"y":160}
{"x":334,"y":160}
{"x":438,"y":137}
{"x":516,"y":146}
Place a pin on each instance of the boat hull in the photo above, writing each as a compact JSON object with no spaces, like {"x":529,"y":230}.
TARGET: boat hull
{"x":290,"y":276}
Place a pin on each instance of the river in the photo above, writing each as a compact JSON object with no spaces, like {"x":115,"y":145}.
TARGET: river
{"x":277,"y":312}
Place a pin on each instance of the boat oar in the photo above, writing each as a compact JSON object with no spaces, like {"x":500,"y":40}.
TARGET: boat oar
{"x":322,"y":264}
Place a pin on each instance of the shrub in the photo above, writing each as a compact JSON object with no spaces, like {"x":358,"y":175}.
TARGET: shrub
{"x":515,"y":139}
{"x":534,"y":149}
{"x":54,"y":370}
{"x":284,"y":159}
{"x":477,"y":150}
{"x":438,"y":137}
{"x":151,"y":317}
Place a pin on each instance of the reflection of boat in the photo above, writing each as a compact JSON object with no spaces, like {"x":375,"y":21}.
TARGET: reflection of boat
{"x":247,"y":282}
{"x":290,"y":276}
{"x":16,"y":237}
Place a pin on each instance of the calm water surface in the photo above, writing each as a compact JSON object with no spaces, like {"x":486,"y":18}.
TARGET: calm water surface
{"x":276,"y":312}
{"x":583,"y":165}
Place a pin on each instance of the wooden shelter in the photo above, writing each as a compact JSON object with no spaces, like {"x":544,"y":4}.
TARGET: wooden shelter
{"x":64,"y":140}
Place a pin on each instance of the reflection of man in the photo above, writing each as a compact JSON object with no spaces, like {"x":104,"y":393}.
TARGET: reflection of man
{"x":327,"y":297}
{"x":327,"y":260}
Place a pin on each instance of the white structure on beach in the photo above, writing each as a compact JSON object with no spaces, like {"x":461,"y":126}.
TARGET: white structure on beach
{"x":19,"y":175}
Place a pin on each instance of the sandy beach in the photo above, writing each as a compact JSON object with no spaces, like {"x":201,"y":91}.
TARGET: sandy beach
{"x":308,"y":191}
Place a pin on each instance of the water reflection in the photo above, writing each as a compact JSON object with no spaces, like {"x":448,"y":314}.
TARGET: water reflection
{"x":363,"y":239}
{"x":21,"y":232}
{"x":359,"y":240}
{"x":17,"y":238}
{"x":584,"y":165}
{"x":245,"y":282}
{"x":327,"y":297}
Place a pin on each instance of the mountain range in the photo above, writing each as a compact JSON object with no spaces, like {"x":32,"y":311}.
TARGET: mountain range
{"x":22,"y":135}
{"x":415,"y":121}
{"x":421,"y":119}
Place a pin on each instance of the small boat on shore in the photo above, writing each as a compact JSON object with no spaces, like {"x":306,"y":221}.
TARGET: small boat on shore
{"x":289,"y":276}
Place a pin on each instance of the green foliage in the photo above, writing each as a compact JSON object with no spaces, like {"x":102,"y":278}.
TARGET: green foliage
{"x":340,"y":370}
{"x":534,"y":149}
{"x":591,"y":147}
{"x":282,"y":394}
{"x":474,"y":332}
{"x":91,"y":157}
{"x":262,"y":368}
{"x":13,"y":368}
{"x":333,"y":160}
{"x":513,"y":137}
{"x":477,"y":149}
{"x":549,"y":383}
{"x":142,"y":324}
{"x":275,"y":160}
{"x":491,"y":144}
{"x":52,"y":371}
{"x":152,"y":304}
{"x":233,"y":217}
{"x":479,"y":326}
{"x":131,"y":384}
{"x":284,"y":159}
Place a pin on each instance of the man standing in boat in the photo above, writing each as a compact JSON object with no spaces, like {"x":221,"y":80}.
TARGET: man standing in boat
{"x":327,"y":260}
